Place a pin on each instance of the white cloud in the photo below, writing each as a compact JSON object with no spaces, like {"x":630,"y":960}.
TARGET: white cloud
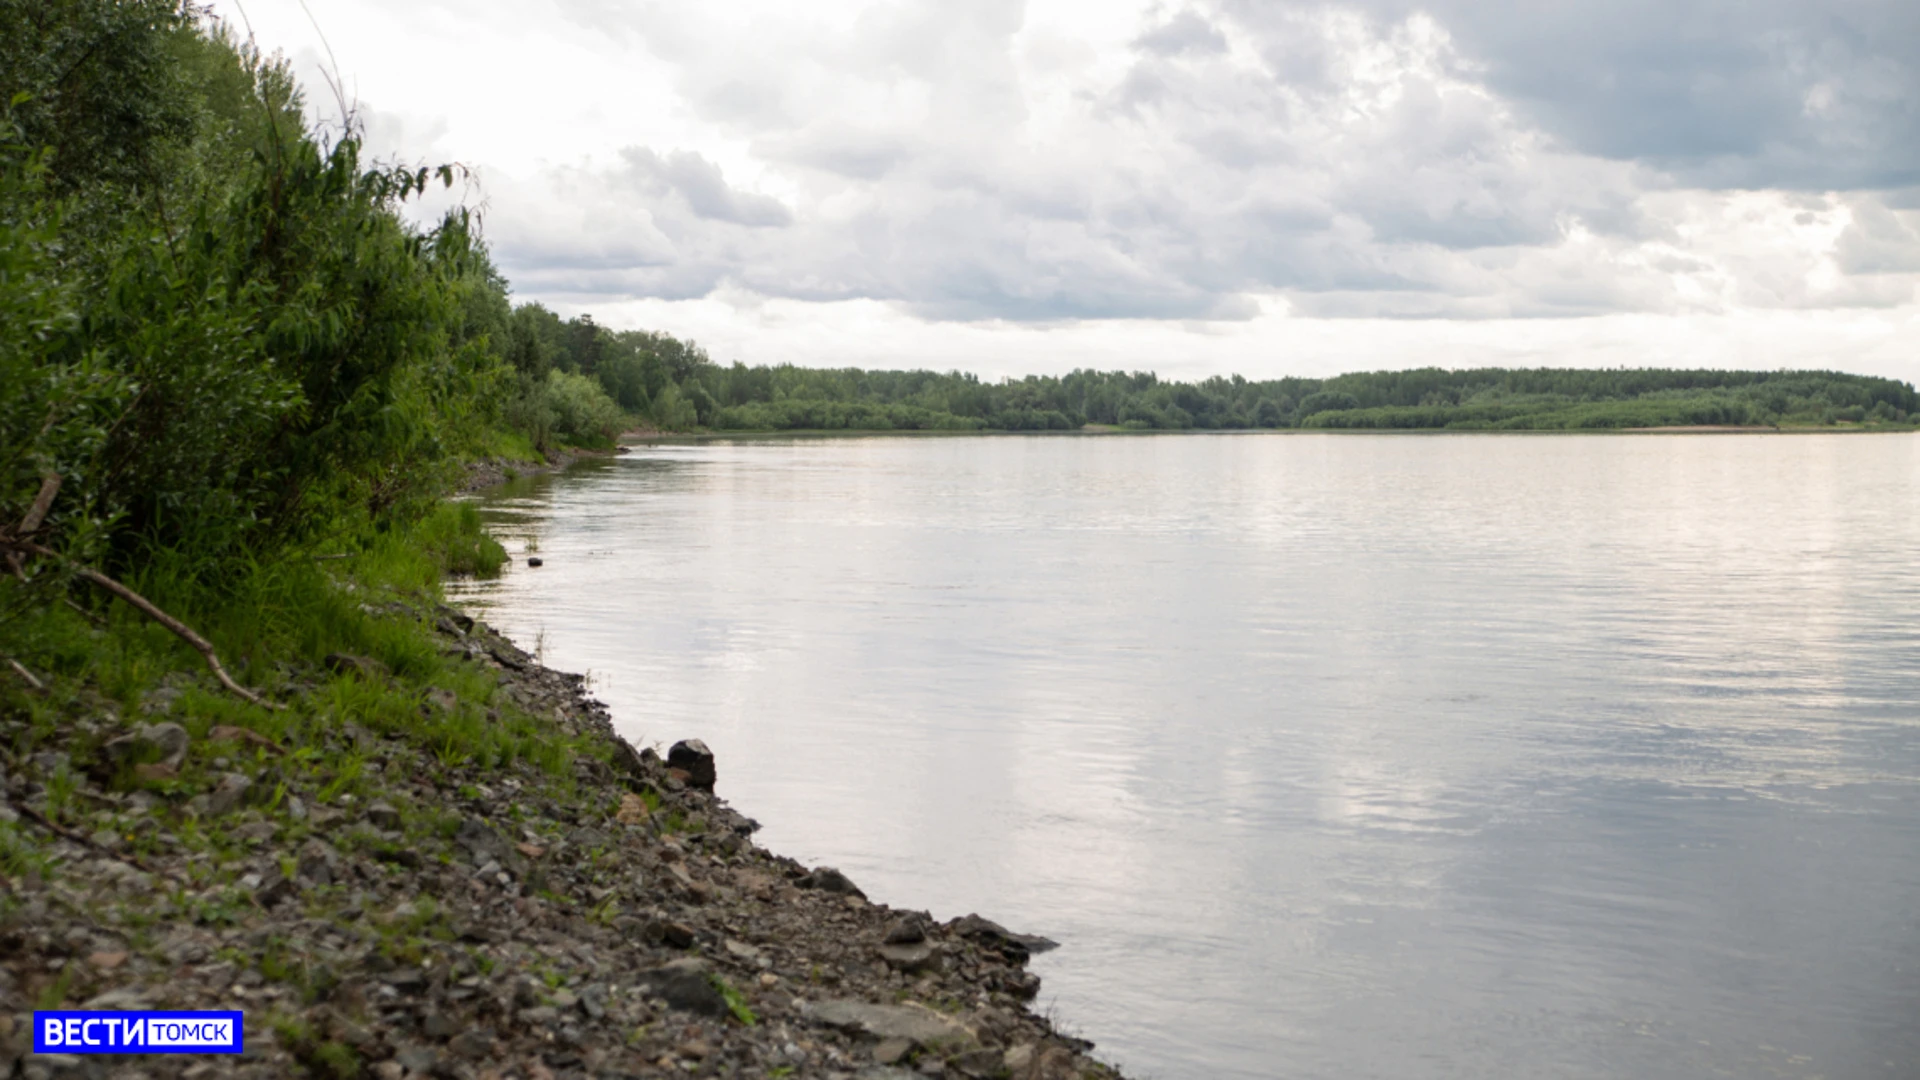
{"x":1051,"y":170}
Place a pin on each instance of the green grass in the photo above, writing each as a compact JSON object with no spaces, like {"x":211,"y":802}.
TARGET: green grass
{"x":273,"y":624}
{"x":736,"y":1002}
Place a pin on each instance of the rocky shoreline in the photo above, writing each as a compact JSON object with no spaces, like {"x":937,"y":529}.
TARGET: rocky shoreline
{"x":465,"y":922}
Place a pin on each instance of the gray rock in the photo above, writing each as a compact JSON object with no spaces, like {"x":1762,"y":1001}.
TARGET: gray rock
{"x":977,"y":1064}
{"x":474,"y":1044}
{"x":1016,"y":946}
{"x":828,"y":879}
{"x":226,"y":795}
{"x":885,"y":1072}
{"x":273,"y":889}
{"x":915,"y":1023}
{"x":316,"y":863}
{"x":890,"y":1051}
{"x":912,"y":958}
{"x":692,"y":757}
{"x":383,"y":816}
{"x":163,"y":743}
{"x":907,"y":929}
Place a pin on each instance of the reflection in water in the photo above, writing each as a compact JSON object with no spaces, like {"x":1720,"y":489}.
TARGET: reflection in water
{"x":1337,"y":756}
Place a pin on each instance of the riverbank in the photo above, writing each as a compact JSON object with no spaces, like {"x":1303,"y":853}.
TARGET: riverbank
{"x":452,"y":867}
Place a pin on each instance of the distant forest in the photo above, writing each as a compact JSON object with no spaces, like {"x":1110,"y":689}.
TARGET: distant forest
{"x":674,"y":385}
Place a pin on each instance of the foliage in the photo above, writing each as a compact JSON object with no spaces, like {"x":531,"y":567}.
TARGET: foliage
{"x":219,"y":332}
{"x":581,"y":411}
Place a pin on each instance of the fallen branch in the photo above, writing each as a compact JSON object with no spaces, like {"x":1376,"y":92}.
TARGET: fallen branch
{"x":147,"y":608}
{"x":83,"y":840}
{"x":25,"y":674}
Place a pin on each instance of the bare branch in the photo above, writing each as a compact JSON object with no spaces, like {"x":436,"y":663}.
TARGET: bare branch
{"x":147,"y":608}
{"x":37,"y":513}
{"x":20,"y":670}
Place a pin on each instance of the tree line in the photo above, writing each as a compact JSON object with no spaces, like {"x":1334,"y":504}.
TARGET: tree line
{"x":674,"y":385}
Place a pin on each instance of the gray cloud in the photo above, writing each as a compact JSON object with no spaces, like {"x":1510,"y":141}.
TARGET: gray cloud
{"x":1185,"y":32}
{"x":1812,"y":94}
{"x":1351,"y":161}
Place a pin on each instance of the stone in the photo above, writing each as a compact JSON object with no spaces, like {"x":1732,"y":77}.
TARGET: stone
{"x":475,"y":1044}
{"x":155,"y":772}
{"x":915,"y":1023}
{"x":692,"y":757}
{"x":686,"y":985}
{"x":828,"y":879}
{"x":438,"y":1025}
{"x":164,"y":744}
{"x":1017,"y":1058}
{"x":316,"y":863}
{"x":891,"y":1051}
{"x":912,"y":958}
{"x":907,"y":929}
{"x":273,"y":889}
{"x":226,"y":795}
{"x":633,"y":810}
{"x":976,"y":1064}
{"x":535,"y":560}
{"x":107,"y":961}
{"x":1017,"y":947}
{"x":383,"y":816}
{"x":741,"y":950}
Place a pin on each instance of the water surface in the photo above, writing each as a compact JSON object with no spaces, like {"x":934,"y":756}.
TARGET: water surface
{"x":1325,"y":756}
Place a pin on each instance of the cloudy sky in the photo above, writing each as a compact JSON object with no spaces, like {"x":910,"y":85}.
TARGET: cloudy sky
{"x":1263,"y":187}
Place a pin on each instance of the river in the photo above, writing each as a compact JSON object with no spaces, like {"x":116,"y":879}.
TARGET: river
{"x":1325,"y":756}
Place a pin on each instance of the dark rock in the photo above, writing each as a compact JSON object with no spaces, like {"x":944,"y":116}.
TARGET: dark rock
{"x":1016,"y":947}
{"x":828,"y":879}
{"x":535,"y":560}
{"x":692,"y":757}
{"x":273,"y":889}
{"x":907,"y":929}
{"x":383,"y":816}
{"x":438,"y":1025}
{"x":1020,"y":984}
{"x":678,"y":935}
{"x":474,"y":1044}
{"x":686,"y":985}
{"x":632,"y":762}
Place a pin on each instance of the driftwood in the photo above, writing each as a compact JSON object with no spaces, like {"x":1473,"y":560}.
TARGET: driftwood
{"x":18,"y":544}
